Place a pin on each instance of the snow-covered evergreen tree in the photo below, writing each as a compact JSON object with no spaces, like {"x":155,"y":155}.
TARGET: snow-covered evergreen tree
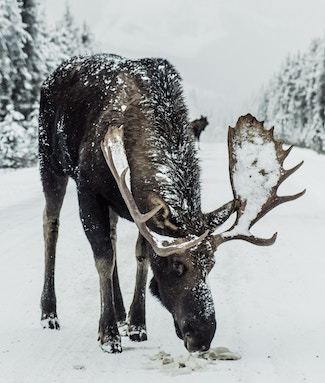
{"x":88,"y":44}
{"x":68,"y":38}
{"x":294,"y":100}
{"x":34,"y":49}
{"x":29,"y":51}
{"x":15,"y":142}
{"x":14,"y":75}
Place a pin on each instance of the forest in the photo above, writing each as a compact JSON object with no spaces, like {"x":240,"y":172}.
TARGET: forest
{"x":294,"y":99}
{"x":29,"y":51}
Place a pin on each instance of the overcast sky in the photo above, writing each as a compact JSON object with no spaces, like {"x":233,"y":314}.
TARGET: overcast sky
{"x":224,"y":49}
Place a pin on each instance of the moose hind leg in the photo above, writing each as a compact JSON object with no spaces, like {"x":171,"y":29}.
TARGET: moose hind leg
{"x":54,"y":190}
{"x":137,"y":321}
{"x":118,"y":298}
{"x":94,"y":214}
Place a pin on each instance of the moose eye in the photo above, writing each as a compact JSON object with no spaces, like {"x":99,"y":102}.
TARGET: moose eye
{"x":178,"y":268}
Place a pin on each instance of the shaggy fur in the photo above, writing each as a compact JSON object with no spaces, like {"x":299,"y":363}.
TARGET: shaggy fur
{"x":80,"y":101}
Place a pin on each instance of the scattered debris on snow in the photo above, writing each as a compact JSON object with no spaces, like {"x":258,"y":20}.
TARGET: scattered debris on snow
{"x":219,"y":353}
{"x":79,"y":367}
{"x":184,"y":364}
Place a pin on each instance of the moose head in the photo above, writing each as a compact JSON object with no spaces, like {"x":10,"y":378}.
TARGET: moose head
{"x":181,"y":264}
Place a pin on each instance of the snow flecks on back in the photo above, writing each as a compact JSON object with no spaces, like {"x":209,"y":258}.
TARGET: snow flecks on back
{"x":88,"y":67}
{"x":171,"y":151}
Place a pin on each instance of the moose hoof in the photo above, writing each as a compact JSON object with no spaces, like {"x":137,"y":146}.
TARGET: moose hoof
{"x":50,"y":321}
{"x":112,"y":345}
{"x":122,"y":328}
{"x":137,"y":333}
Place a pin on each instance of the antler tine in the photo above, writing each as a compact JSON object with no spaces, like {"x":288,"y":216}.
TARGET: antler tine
{"x":288,"y":172}
{"x":180,"y":246}
{"x":158,"y":243}
{"x":278,"y":200}
{"x":282,"y":199}
{"x":284,"y":154}
{"x":256,"y":171}
{"x":142,"y":218}
{"x":219,"y":239}
{"x":121,"y":181}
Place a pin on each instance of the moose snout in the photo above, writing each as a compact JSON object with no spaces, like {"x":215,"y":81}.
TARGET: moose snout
{"x":191,"y":343}
{"x":198,"y":334}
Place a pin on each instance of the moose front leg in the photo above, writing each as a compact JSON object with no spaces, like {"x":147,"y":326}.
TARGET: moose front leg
{"x":137,"y":321}
{"x":94,"y":214}
{"x":108,"y":334}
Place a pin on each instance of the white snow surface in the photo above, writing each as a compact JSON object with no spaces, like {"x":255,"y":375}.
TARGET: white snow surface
{"x":269,"y":302}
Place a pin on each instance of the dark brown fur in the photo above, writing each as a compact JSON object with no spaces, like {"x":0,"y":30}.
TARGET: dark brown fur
{"x":198,"y":126}
{"x":80,"y":101}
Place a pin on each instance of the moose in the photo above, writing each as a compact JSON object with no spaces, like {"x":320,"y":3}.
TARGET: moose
{"x":198,"y":126}
{"x":120,"y":129}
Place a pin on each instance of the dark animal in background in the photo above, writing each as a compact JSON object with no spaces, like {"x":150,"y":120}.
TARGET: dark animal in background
{"x":132,"y":111}
{"x":198,"y":126}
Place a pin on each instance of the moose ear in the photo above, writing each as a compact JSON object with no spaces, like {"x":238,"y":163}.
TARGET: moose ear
{"x":161,"y":219}
{"x":219,"y":216}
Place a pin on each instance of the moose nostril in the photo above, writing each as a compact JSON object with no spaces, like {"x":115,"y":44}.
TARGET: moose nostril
{"x":187,"y":328}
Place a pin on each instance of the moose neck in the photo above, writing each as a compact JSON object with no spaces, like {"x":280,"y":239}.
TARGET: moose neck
{"x":148,"y":103}
{"x":163,"y":164}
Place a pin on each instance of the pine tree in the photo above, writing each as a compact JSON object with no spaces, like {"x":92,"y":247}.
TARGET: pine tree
{"x":67,"y":36}
{"x":15,"y":144}
{"x":34,"y":50}
{"x":29,"y":51}
{"x":294,"y":101}
{"x":14,"y":76}
{"x":87,"y":41}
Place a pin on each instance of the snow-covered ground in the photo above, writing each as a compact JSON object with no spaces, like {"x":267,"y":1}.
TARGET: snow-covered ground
{"x":269,"y":301}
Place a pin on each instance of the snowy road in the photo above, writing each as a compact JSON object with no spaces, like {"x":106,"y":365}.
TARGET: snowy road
{"x":269,"y":301}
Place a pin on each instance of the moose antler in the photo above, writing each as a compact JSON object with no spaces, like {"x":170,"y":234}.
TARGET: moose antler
{"x":256,"y":171}
{"x":114,"y":153}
